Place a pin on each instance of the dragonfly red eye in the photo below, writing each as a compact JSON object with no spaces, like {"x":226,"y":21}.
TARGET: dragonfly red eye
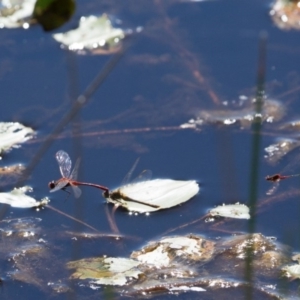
{"x":51,"y":185}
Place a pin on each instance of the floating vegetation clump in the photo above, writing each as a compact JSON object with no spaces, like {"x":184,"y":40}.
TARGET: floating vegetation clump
{"x":164,"y":252}
{"x":186,"y":263}
{"x":242,"y":115}
{"x":107,"y":271}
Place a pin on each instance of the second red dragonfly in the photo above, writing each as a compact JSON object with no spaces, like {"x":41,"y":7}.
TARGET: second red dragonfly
{"x":68,"y":177}
{"x":276,"y":178}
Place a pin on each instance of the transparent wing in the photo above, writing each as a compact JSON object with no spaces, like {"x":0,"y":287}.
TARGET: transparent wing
{"x":76,"y":190}
{"x":64,"y":163}
{"x":59,"y":185}
{"x":74,"y":173}
{"x":144,"y":176}
{"x":273,"y":189}
{"x":128,"y":175}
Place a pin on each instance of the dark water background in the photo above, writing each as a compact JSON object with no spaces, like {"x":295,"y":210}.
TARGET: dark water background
{"x":35,"y":84}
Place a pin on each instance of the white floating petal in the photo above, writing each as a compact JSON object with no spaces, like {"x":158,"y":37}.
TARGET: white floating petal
{"x":153,"y":195}
{"x":92,"y":34}
{"x":237,"y":211}
{"x":12,"y":134}
{"x":18,"y":198}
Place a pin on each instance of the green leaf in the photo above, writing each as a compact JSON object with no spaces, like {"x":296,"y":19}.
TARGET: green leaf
{"x":52,"y":14}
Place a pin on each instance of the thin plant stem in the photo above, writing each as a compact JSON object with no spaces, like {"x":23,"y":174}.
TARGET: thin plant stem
{"x":255,"y":161}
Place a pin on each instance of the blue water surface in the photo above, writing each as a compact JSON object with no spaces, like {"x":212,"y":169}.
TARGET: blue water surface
{"x":152,"y":87}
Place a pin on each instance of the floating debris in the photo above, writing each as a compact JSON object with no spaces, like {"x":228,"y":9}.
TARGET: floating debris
{"x":12,"y":170}
{"x":18,"y":198}
{"x":59,"y":287}
{"x":278,"y":150}
{"x":243,"y":115}
{"x":267,"y":256}
{"x":239,"y":245}
{"x":95,"y":35}
{"x":291,"y":125}
{"x":109,"y":270}
{"x":16,"y":13}
{"x":153,"y":195}
{"x":286,"y":14}
{"x":24,"y":251}
{"x":236,"y":211}
{"x":12,"y":134}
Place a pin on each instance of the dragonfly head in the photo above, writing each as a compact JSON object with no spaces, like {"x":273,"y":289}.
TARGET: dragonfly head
{"x":51,"y":185}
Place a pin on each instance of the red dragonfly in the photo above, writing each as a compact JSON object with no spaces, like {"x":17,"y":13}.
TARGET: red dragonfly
{"x":276,"y":178}
{"x":68,"y":177}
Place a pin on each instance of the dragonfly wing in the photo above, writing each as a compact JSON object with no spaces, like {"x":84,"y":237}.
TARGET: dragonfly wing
{"x":64,"y":163}
{"x":273,"y":189}
{"x":59,"y":185}
{"x":76,"y":190}
{"x":128,"y":175}
{"x":75,"y":170}
{"x":144,"y":176}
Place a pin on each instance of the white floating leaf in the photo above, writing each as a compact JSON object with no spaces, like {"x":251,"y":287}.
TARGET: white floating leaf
{"x":153,"y":195}
{"x":110,"y":270}
{"x":95,"y":34}
{"x":237,"y":211}
{"x":16,"y":13}
{"x":18,"y":198}
{"x":12,"y":134}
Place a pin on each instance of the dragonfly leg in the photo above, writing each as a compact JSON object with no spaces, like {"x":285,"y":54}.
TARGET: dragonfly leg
{"x":65,"y":190}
